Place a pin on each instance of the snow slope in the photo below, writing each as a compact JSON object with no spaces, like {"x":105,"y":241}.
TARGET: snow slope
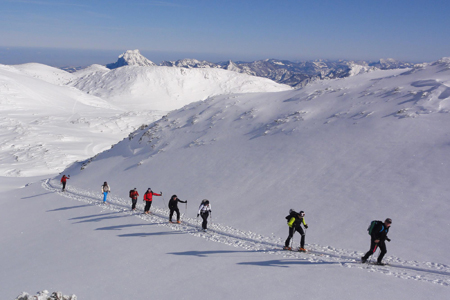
{"x":345,"y":151}
{"x":349,"y":150}
{"x":167,"y":88}
{"x":45,"y":125}
{"x":36,"y":99}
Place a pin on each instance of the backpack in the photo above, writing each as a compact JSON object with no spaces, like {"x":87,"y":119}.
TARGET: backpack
{"x":372,"y":225}
{"x":292,"y":213}
{"x":204,"y":201}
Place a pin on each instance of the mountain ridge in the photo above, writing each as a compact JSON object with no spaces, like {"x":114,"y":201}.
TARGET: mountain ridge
{"x":295,"y":74}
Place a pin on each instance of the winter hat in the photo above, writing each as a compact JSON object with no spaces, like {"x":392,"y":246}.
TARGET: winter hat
{"x":388,"y":220}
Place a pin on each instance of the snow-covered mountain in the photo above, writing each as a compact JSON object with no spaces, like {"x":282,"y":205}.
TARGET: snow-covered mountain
{"x":346,"y":151}
{"x":167,"y":88}
{"x":96,"y":107}
{"x":189,"y":63}
{"x":46,"y":125}
{"x":296,"y":74}
{"x":131,"y":58}
{"x":355,"y":147}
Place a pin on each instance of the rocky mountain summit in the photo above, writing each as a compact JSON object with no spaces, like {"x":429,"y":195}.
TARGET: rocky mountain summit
{"x":131,"y":58}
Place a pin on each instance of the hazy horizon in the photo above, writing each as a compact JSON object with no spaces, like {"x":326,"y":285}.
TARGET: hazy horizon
{"x":58,"y":57}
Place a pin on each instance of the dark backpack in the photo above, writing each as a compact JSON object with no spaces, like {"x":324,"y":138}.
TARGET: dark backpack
{"x":372,"y":225}
{"x":131,"y":193}
{"x":292,"y":213}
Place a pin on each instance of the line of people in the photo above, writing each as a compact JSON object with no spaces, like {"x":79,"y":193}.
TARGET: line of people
{"x":377,"y":231}
{"x":204,"y":209}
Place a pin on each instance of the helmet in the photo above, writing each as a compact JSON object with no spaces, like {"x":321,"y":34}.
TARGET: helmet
{"x":388,"y":220}
{"x":301,"y":213}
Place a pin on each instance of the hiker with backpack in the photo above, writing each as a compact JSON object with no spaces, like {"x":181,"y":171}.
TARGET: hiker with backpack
{"x":134,"y":197}
{"x":378,"y":231}
{"x":173,"y":206}
{"x":148,"y":198}
{"x":204,"y":210}
{"x":105,"y":190}
{"x":64,"y":181}
{"x":295,"y":220}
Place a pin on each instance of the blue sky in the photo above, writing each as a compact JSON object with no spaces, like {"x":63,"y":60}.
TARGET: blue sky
{"x":412,"y":30}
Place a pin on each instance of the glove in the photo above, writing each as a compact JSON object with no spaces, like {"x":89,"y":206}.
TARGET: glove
{"x":306,"y":226}
{"x":198,"y":215}
{"x":388,"y":239}
{"x":160,"y":193}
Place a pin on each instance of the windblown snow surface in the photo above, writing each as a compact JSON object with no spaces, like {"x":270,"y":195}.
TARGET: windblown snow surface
{"x":345,"y":151}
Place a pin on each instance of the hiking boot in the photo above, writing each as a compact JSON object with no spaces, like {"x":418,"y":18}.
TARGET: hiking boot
{"x":302,"y":250}
{"x":363,"y":260}
{"x":178,"y":221}
{"x":287,"y":248}
{"x":170,"y":221}
{"x":379,"y":263}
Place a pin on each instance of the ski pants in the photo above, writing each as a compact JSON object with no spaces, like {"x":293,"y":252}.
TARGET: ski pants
{"x":171,"y":213}
{"x":373,"y":248}
{"x":292,"y":230}
{"x":133,"y":203}
{"x":64,"y":185}
{"x":105,"y":194}
{"x":148,"y":204}
{"x":205,"y":216}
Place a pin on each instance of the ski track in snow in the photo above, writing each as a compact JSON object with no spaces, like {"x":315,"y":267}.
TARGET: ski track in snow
{"x":431,"y":272}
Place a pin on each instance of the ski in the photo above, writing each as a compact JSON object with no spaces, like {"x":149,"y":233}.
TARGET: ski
{"x":295,"y":249}
{"x":375,"y":264}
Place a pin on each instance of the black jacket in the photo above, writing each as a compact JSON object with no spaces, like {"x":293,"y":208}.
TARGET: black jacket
{"x":380,"y":231}
{"x":173,"y":203}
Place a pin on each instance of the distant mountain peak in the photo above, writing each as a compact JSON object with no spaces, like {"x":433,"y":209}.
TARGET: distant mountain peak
{"x":131,"y":58}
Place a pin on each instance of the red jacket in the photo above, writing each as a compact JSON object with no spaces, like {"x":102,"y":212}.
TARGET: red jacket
{"x":134,"y":194}
{"x":148,"y":196}
{"x":64,"y":179}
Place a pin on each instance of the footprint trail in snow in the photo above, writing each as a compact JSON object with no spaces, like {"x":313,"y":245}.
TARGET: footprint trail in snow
{"x":422,"y":271}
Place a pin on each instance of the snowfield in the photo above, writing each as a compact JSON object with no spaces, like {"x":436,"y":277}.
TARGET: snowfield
{"x":42,"y":111}
{"x":168,"y":88}
{"x":345,"y":151}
